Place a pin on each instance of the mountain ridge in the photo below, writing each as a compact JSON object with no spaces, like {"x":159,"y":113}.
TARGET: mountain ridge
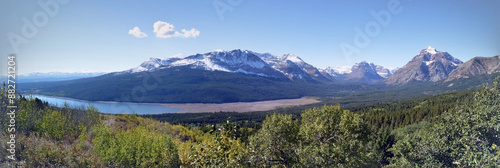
{"x":475,"y":67}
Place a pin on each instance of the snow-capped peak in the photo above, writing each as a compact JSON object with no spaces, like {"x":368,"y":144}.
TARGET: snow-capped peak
{"x":430,"y":50}
{"x":153,"y":63}
{"x":337,"y":70}
{"x":364,"y":63}
{"x":293,"y":58}
{"x":430,"y":55}
{"x":385,"y":72}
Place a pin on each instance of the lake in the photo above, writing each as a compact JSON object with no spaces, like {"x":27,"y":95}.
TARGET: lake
{"x":110,"y":107}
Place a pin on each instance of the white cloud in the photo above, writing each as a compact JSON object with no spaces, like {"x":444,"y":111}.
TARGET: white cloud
{"x":191,"y":33}
{"x":167,"y":30}
{"x":137,"y":32}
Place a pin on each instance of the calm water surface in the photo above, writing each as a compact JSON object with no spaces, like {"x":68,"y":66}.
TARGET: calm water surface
{"x":110,"y":107}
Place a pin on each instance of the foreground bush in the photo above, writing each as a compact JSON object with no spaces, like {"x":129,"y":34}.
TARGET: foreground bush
{"x":135,"y":147}
{"x":222,"y":148}
{"x":326,"y":137}
{"x":276,"y":143}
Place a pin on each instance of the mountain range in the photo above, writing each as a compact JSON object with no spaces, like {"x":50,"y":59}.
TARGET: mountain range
{"x":246,"y":62}
{"x":267,"y":65}
{"x":363,"y":72}
{"x":242,"y":75}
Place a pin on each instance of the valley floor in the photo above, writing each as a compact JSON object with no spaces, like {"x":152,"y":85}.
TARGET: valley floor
{"x":241,"y":106}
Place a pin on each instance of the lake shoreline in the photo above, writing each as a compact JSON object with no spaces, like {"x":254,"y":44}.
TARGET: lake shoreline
{"x":239,"y":107}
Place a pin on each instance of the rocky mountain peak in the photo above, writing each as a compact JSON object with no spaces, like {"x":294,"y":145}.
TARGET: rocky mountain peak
{"x":429,"y":65}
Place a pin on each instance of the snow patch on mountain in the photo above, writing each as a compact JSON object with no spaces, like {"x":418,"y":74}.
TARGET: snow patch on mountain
{"x":343,"y":69}
{"x":153,"y":64}
{"x":430,"y":50}
{"x":138,"y":69}
{"x":428,"y":62}
{"x":200,"y":61}
{"x":336,"y":71}
{"x":293,"y":58}
{"x":384,"y":72}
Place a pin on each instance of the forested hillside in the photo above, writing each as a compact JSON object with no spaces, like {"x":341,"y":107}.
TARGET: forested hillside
{"x":450,"y":130}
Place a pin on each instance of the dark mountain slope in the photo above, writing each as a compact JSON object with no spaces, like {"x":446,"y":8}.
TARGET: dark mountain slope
{"x":476,"y":66}
{"x":186,"y":85}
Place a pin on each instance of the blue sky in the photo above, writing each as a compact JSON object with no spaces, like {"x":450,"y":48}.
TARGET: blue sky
{"x":90,"y":36}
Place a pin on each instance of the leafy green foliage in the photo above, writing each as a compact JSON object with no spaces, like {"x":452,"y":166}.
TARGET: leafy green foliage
{"x":325,"y":137}
{"x":467,"y":136}
{"x":135,"y":147}
{"x":223,"y":149}
{"x":55,"y":124}
{"x":276,"y":143}
{"x":334,"y":137}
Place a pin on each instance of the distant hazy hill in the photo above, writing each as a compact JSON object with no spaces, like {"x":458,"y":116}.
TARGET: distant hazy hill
{"x":53,"y":76}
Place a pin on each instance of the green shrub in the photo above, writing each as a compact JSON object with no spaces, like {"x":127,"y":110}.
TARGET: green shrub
{"x":55,"y":124}
{"x":334,"y":137}
{"x":276,"y":143}
{"x":137,"y":147}
{"x":222,"y":149}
